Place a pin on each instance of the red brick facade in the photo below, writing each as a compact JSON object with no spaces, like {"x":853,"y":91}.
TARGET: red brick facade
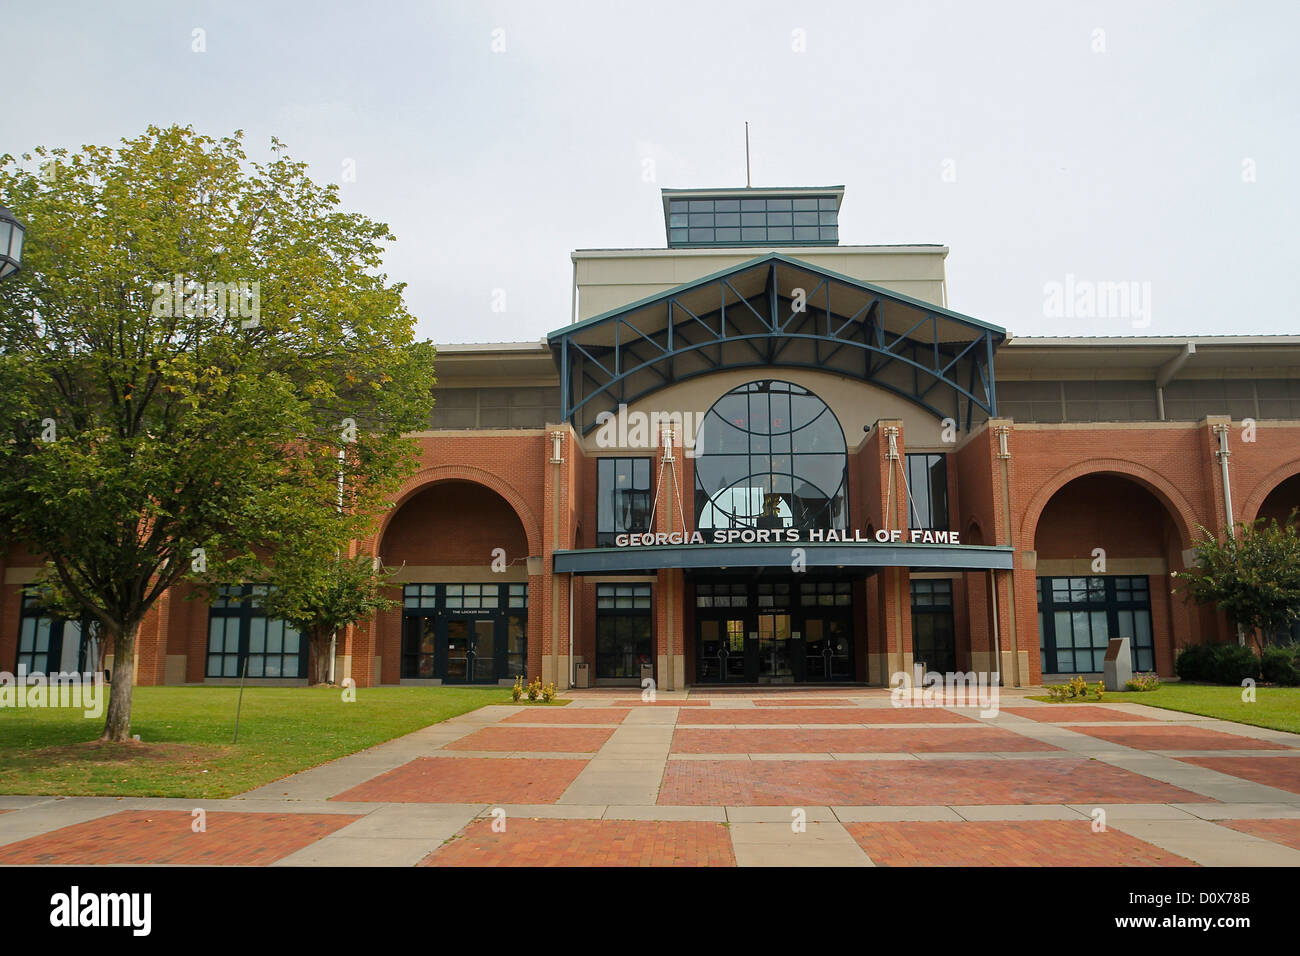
{"x":1138,"y":491}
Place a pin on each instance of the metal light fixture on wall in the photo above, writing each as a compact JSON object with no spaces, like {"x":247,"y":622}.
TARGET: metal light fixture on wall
{"x":11,"y":242}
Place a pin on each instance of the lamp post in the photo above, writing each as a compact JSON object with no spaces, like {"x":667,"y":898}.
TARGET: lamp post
{"x":11,"y":243}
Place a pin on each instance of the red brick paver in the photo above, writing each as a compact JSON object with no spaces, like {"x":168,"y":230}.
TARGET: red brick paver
{"x":528,"y":842}
{"x":1176,"y":737}
{"x":806,"y":702}
{"x":1068,"y":713}
{"x":830,"y":715}
{"x":569,"y":715}
{"x":1007,"y":843}
{"x":470,"y":780}
{"x":144,"y":837}
{"x":1280,"y":772}
{"x":661,"y":703}
{"x":535,"y":739}
{"x":1285,"y":832}
{"x":856,"y":741}
{"x":909,"y":783}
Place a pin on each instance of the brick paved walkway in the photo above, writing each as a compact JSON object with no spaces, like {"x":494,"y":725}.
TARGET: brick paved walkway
{"x":1285,"y":832}
{"x":168,"y":836}
{"x":725,"y":778}
{"x":588,"y":843}
{"x":1281,"y":771}
{"x":1005,"y":843}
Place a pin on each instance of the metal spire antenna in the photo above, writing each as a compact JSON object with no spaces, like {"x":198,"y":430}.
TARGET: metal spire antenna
{"x":747,"y":185}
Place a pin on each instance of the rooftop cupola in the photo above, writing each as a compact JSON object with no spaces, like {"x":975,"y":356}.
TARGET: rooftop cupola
{"x":793,"y":216}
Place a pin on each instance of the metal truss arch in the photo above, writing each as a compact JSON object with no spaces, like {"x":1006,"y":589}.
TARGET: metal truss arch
{"x":772,"y":312}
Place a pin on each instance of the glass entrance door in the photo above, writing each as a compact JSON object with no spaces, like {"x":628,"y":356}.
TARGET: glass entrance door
{"x":419,"y":646}
{"x":827,"y":649}
{"x":483,"y":653}
{"x":458,"y":638}
{"x":721,"y":654}
{"x":774,"y":649}
{"x":471,"y":650}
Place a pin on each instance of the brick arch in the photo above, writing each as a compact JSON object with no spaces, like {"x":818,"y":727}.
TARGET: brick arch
{"x":1175,"y":503}
{"x":1265,"y":487}
{"x":436,"y":474}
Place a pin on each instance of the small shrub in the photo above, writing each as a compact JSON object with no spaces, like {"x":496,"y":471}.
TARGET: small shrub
{"x":1233,"y":663}
{"x":534,"y":689}
{"x":1076,"y":688}
{"x":1217,"y":663}
{"x":1141,"y":681}
{"x":1278,"y":665}
{"x":1195,"y":662}
{"x":548,"y":692}
{"x":517,"y":691}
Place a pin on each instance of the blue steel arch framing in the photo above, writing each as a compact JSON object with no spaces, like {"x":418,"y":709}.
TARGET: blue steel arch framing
{"x":631,"y":363}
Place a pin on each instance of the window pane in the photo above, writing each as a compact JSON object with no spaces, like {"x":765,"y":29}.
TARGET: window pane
{"x":1100,"y":630}
{"x":1064,"y":635}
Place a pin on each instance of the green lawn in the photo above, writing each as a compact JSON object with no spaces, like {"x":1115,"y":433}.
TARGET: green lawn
{"x":1277,"y":708}
{"x":186,"y":733}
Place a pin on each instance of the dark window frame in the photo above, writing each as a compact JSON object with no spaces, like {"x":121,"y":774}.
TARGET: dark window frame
{"x":33,"y":608}
{"x":783,"y":447}
{"x":635,"y":613}
{"x":238,"y":603}
{"x":639,"y":521}
{"x":427,"y":607}
{"x":934,"y":617}
{"x":1107,"y":597}
{"x":922,"y":506}
{"x":765,"y":221}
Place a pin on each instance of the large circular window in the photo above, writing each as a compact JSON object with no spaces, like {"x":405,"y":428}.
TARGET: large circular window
{"x":770,"y":454}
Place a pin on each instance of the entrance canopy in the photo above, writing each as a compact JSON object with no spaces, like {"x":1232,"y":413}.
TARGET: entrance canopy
{"x":865,"y":557}
{"x":778,"y":311}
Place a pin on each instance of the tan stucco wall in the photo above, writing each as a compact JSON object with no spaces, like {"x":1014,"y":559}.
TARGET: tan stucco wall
{"x":610,"y":279}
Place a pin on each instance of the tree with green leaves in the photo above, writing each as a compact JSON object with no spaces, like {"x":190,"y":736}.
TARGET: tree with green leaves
{"x":321,"y":597}
{"x":194,"y":339}
{"x":1253,"y":576}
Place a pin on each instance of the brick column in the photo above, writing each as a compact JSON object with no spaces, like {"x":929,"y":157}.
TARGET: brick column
{"x":882,"y":505}
{"x":671,"y":501}
{"x":560,"y":514}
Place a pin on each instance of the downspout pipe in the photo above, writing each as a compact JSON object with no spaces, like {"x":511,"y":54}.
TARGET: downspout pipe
{"x":573,"y":668}
{"x":997,"y":637}
{"x":1221,"y":430}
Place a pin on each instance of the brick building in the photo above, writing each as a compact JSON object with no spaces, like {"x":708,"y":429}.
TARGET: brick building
{"x":760,"y":456}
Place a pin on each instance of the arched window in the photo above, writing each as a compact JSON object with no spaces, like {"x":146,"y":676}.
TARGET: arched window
{"x":770,"y":454}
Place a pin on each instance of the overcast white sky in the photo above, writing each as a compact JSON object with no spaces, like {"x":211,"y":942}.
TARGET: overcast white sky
{"x":1125,"y":164}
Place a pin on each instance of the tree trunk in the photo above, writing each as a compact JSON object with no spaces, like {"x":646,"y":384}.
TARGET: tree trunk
{"x":117,"y":725}
{"x":320,"y":652}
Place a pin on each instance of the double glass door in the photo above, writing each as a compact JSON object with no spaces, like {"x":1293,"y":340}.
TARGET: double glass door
{"x":827,"y":648}
{"x":468,"y":655}
{"x":471,"y":650}
{"x":750,"y":649}
{"x":774,"y":658}
{"x":723,"y":651}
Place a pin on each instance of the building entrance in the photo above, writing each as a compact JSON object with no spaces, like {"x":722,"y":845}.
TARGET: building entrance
{"x":773,"y":632}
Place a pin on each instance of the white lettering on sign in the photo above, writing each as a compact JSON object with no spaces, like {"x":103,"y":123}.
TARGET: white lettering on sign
{"x":783,"y":536}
